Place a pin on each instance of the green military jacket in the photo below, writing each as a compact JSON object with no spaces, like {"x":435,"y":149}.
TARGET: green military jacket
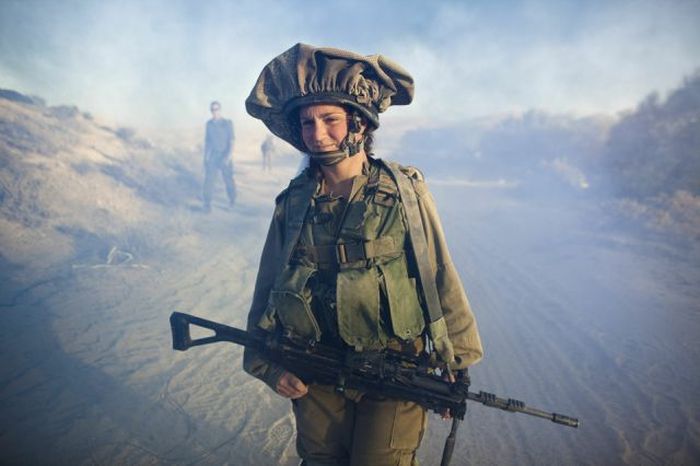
{"x":373,"y":297}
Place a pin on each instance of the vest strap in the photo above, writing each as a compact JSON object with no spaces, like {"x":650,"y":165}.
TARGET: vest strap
{"x":299,"y":199}
{"x":343,"y":253}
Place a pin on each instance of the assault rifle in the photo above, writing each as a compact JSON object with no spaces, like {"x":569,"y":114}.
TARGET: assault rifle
{"x":387,"y":373}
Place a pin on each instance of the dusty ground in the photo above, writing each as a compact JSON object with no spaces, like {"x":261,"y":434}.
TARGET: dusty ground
{"x":101,"y":237}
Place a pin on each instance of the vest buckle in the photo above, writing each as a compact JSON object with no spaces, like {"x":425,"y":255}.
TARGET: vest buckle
{"x":351,"y":252}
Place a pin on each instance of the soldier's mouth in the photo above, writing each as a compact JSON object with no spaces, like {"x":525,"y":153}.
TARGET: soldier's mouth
{"x":331,"y":148}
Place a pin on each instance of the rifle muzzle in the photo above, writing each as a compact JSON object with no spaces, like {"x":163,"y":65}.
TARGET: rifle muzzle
{"x":565,"y":420}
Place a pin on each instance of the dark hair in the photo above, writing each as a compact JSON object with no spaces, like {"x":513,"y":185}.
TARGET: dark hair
{"x":369,"y":140}
{"x":368,"y":135}
{"x":215,"y":102}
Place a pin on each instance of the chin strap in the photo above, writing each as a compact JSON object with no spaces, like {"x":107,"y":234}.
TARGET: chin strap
{"x":347,"y":149}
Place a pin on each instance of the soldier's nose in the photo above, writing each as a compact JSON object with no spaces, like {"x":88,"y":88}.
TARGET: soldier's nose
{"x":319,"y":131}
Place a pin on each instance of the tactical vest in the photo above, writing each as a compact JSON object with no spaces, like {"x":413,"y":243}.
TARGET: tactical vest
{"x":366,"y":255}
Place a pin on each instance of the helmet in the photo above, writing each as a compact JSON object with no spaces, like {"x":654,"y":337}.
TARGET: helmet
{"x":305,"y":75}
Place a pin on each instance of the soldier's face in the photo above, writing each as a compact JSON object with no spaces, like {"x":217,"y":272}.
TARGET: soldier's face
{"x":215,"y":111}
{"x":323,"y":127}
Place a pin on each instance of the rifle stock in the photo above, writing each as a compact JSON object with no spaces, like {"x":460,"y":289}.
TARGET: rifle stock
{"x":182,"y":340}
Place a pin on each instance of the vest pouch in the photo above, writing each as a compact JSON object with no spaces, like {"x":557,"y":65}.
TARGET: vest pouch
{"x":357,"y":296}
{"x":405,"y":310}
{"x":290,"y":301}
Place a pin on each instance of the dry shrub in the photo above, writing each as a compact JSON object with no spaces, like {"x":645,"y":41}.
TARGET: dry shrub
{"x":677,"y":214}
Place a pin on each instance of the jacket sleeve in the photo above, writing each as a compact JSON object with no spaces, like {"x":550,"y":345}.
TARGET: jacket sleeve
{"x":253,"y":362}
{"x":459,"y":318}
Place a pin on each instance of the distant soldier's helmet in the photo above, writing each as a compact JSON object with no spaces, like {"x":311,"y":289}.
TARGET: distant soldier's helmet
{"x":305,"y":75}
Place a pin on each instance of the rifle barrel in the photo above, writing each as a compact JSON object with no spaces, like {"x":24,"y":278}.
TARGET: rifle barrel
{"x":516,"y":406}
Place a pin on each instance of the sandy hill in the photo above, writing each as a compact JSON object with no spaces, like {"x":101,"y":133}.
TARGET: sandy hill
{"x":73,"y":189}
{"x":75,"y":192}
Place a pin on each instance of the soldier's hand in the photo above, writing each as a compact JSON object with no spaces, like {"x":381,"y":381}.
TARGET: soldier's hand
{"x":290,"y":386}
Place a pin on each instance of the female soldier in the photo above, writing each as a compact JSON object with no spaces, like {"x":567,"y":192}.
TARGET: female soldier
{"x":355,"y":256}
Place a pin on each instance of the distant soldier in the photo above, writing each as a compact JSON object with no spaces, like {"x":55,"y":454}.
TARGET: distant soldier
{"x":266,"y":148}
{"x":218,"y":148}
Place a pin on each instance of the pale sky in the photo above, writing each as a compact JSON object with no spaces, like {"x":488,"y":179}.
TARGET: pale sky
{"x":160,"y":63}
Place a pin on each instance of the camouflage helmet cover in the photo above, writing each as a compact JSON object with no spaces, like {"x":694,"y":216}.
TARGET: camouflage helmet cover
{"x":305,"y":75}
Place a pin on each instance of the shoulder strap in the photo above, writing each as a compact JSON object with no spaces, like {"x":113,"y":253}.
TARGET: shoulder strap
{"x":437,"y":327}
{"x":298,"y":197}
{"x":419,"y":243}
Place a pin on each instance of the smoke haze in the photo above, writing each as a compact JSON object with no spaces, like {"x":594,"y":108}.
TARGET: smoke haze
{"x":154,"y":64}
{"x":560,"y":142}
